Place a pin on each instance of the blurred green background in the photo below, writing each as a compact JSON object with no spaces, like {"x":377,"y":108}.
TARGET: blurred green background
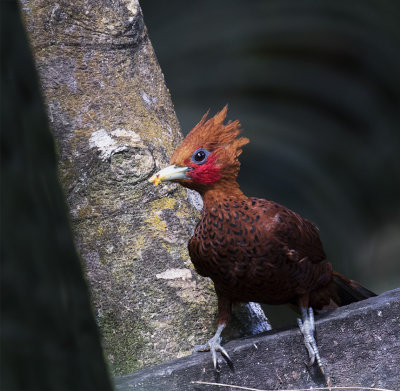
{"x":316,"y":85}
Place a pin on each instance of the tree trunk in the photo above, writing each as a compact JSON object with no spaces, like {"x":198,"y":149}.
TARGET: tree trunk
{"x":115,"y":125}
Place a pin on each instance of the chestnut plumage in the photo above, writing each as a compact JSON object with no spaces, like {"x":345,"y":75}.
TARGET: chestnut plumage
{"x":252,"y":249}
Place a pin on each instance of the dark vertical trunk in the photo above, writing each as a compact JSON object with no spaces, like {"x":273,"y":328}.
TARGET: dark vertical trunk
{"x":49,"y":339}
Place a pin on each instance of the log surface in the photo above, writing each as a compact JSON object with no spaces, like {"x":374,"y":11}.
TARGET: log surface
{"x":359,"y":344}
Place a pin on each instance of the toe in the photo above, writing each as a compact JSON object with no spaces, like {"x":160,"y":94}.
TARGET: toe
{"x":214,"y":357}
{"x":201,"y":348}
{"x":225,"y":353}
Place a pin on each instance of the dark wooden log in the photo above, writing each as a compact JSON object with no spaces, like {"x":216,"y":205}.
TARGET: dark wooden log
{"x":359,"y":344}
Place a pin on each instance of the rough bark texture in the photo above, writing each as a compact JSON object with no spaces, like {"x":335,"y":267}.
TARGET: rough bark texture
{"x":49,"y":339}
{"x":359,"y":344}
{"x":115,"y":125}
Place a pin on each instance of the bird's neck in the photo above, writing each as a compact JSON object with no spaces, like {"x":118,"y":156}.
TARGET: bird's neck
{"x":221,"y":193}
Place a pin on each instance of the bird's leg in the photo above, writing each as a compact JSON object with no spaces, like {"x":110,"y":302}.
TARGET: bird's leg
{"x":307,"y":328}
{"x":214,"y":345}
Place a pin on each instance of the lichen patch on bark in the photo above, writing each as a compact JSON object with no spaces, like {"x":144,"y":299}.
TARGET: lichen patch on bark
{"x":173,"y":274}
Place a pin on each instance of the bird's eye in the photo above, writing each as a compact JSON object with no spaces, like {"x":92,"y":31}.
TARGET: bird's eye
{"x":200,"y":156}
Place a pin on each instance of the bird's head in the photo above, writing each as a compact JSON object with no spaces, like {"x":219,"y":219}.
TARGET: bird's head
{"x":208,"y":156}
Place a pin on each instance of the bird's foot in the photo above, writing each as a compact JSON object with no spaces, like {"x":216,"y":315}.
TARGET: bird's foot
{"x":307,"y":328}
{"x":214,"y":346}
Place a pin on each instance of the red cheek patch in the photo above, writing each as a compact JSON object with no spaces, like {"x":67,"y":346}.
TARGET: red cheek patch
{"x":207,"y":173}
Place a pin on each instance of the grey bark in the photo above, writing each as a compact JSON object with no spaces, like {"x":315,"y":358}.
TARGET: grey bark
{"x":359,"y":344}
{"x":115,"y":125}
{"x":49,"y":339}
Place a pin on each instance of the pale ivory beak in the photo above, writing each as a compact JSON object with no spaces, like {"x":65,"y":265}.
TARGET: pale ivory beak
{"x":169,"y":174}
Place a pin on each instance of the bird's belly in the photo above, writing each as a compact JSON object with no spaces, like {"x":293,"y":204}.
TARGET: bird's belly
{"x":269,"y":284}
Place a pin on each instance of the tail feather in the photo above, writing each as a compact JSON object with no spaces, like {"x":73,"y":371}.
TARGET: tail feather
{"x":349,"y":291}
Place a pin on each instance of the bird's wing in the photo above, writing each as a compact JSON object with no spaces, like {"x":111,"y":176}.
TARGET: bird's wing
{"x":299,"y":235}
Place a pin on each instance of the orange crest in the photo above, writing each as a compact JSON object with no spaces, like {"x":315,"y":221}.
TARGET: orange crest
{"x":217,"y":137}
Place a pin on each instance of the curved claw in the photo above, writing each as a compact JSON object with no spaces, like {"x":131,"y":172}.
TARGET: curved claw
{"x":214,"y":346}
{"x":311,"y":362}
